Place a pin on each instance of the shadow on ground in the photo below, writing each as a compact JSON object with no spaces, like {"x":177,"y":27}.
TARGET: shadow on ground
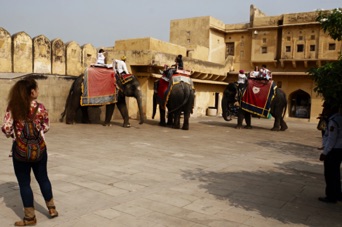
{"x":289,"y":148}
{"x":231,"y":124}
{"x":10,"y":195}
{"x":278,"y":194}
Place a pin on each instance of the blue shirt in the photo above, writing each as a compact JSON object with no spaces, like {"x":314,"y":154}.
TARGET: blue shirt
{"x":333,"y":135}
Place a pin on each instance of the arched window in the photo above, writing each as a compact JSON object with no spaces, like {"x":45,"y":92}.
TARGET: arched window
{"x":300,"y":105}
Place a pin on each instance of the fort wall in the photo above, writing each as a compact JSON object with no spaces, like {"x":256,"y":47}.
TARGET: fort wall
{"x":20,"y":53}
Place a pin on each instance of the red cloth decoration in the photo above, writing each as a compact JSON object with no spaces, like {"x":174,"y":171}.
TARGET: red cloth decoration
{"x":98,"y":87}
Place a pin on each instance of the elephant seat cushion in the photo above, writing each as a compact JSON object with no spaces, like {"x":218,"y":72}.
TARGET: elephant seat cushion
{"x":98,"y":87}
{"x":177,"y":78}
{"x":124,"y":78}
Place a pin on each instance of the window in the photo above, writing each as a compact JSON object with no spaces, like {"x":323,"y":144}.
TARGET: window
{"x":288,"y":48}
{"x":242,"y":44}
{"x":313,"y":37}
{"x":300,"y":48}
{"x":332,"y":46}
{"x":264,"y":40}
{"x":300,"y":37}
{"x":288,"y":38}
{"x":230,"y":49}
{"x":264,"y":50}
{"x":312,"y":47}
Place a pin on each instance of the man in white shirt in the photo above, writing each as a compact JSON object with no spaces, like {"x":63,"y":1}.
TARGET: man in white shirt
{"x":101,"y":57}
{"x":120,"y":66}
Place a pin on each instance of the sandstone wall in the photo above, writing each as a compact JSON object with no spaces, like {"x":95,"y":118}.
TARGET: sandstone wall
{"x":53,"y":92}
{"x":20,"y":53}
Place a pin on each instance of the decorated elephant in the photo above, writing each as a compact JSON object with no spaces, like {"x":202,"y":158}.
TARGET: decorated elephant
{"x":127,"y":86}
{"x":177,"y":97}
{"x":239,"y":101}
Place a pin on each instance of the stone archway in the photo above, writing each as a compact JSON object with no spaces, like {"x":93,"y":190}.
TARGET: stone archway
{"x":300,"y":104}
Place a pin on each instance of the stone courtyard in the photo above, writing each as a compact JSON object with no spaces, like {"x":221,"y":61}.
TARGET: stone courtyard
{"x":212,"y":175}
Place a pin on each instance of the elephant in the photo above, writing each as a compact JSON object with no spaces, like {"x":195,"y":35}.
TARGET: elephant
{"x":180,"y":100}
{"x":125,"y":89}
{"x":231,"y":100}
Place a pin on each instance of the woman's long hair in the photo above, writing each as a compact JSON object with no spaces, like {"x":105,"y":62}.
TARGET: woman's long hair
{"x":19,"y":98}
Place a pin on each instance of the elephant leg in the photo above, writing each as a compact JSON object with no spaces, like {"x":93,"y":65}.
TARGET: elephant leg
{"x":162,"y":116}
{"x":85,"y":115}
{"x":70,"y":116}
{"x":283,"y":125}
{"x":124,"y":112}
{"x":248,"y":120}
{"x":72,"y":108}
{"x":186,"y":120}
{"x":170,"y":120}
{"x":276,"y":124}
{"x":109,"y":113}
{"x":240,"y":117}
{"x":176,"y":119}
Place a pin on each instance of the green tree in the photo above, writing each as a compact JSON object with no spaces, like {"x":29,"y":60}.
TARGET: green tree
{"x":328,"y":78}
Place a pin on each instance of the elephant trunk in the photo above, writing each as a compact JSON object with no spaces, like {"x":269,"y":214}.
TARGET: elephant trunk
{"x":225,"y":111}
{"x":154,"y":105}
{"x":155,"y":102}
{"x":139,"y":102}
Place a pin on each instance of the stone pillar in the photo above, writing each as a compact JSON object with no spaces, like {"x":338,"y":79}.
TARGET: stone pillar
{"x":5,"y":51}
{"x":89,"y":55}
{"x":58,"y":57}
{"x":73,"y":59}
{"x":41,"y":55}
{"x":22,"y":53}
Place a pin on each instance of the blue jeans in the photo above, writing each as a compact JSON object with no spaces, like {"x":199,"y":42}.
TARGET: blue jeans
{"x":23,"y":173}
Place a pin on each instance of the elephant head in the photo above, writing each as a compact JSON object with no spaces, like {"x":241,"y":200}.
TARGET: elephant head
{"x":131,"y":88}
{"x":229,"y":98}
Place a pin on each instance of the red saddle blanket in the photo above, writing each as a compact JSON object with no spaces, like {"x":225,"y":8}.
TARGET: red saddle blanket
{"x":98,"y":87}
{"x":258,"y":96}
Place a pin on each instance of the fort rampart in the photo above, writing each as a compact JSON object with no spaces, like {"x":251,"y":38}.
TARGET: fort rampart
{"x":20,"y":53}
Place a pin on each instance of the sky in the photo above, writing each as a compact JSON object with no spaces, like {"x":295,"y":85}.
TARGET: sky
{"x":102,"y":22}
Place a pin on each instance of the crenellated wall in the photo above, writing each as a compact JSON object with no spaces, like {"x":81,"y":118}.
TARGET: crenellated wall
{"x":20,"y":53}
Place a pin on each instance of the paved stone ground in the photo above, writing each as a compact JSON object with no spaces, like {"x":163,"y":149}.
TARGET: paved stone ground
{"x":212,"y":175}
